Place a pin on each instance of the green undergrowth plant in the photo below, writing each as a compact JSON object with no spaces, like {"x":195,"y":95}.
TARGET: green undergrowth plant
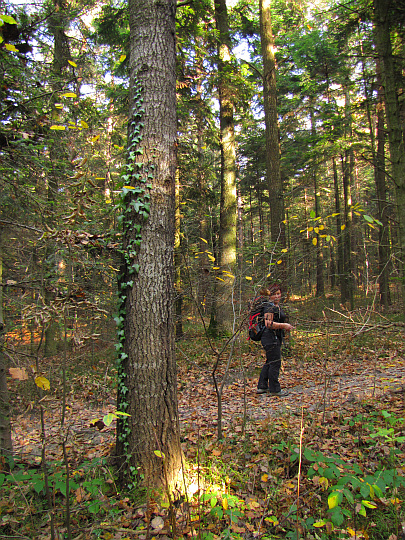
{"x":89,"y":483}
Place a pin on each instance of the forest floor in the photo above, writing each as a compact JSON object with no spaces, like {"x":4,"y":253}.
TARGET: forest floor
{"x":315,"y":387}
{"x":331,"y":399}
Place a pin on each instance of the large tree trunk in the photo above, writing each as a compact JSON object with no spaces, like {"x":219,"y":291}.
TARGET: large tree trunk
{"x":274,"y":181}
{"x":147,"y":368}
{"x":390,"y":83}
{"x":228,"y":208}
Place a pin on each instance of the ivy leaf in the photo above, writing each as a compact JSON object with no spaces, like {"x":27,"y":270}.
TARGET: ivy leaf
{"x":159,"y":454}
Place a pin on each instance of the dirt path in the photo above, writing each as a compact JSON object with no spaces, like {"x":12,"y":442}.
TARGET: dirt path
{"x":198,"y":406}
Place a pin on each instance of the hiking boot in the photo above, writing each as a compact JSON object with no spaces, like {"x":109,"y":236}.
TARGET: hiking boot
{"x":262,"y":391}
{"x":281,"y":393}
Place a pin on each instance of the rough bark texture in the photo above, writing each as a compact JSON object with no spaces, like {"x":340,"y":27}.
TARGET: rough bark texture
{"x":228,"y":207}
{"x":274,"y":180}
{"x":150,"y":366}
{"x":390,"y":83}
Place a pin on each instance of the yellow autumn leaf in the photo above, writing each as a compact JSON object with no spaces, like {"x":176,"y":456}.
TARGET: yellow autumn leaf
{"x":215,"y":267}
{"x":58,"y":128}
{"x":316,"y":230}
{"x":42,"y":382}
{"x":69,"y":94}
{"x":122,"y":57}
{"x":249,"y":278}
{"x":72,"y":63}
{"x":94,"y":139}
{"x":10,"y":47}
{"x":310,"y":229}
{"x":314,"y":241}
{"x":84,"y":124}
{"x":204,"y":240}
{"x":220,"y":279}
{"x":342,"y":227}
{"x":225,"y":504}
{"x":264,"y":477}
{"x":58,"y":106}
{"x":211,"y":258}
{"x":284,"y":250}
{"x":321,"y":227}
{"x":279,"y":261}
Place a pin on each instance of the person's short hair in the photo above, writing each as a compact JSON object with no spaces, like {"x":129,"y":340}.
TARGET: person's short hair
{"x":273,"y":288}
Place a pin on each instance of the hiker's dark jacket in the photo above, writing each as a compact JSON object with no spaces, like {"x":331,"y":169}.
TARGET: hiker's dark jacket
{"x":273,"y":338}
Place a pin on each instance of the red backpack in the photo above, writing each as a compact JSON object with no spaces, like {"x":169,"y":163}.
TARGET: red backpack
{"x":256,"y":317}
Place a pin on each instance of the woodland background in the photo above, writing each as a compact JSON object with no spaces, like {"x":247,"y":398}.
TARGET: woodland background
{"x":313,"y":198}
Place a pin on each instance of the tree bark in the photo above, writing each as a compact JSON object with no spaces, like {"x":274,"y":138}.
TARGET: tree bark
{"x":228,"y":206}
{"x":390,"y":84}
{"x":147,"y":368}
{"x":274,"y":181}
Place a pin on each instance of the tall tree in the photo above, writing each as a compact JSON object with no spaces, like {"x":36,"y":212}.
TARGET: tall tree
{"x":274,"y":180}
{"x":228,"y":208}
{"x":383,"y":20}
{"x":147,"y":368}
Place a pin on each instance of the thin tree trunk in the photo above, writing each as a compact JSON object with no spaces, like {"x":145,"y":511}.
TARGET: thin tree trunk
{"x":6,"y":445}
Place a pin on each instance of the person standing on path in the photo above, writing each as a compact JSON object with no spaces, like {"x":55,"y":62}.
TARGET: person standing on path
{"x":272,"y":339}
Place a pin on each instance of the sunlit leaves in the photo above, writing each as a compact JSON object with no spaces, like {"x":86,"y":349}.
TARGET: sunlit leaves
{"x":334,"y":499}
{"x":7,"y":19}
{"x":10,"y":47}
{"x":42,"y":382}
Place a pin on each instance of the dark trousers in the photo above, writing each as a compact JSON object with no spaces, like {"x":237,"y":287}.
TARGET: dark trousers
{"x":270,"y":371}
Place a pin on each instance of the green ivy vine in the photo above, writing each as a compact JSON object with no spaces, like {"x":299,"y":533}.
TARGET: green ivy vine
{"x":134,"y":209}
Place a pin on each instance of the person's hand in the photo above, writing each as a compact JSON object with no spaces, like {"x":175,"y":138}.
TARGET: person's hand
{"x":288,"y":326}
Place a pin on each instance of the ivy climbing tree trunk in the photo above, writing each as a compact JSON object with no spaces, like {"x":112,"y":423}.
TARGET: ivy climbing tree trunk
{"x":148,"y":441}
